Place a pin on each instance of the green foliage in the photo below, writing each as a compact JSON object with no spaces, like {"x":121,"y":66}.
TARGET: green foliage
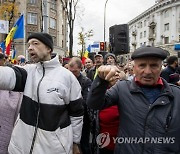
{"x":83,"y":37}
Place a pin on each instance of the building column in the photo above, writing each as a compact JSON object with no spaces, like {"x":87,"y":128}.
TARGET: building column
{"x":173,"y":27}
{"x":159,"y":28}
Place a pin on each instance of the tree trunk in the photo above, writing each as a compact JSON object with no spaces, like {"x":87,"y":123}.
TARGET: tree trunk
{"x":70,"y":42}
{"x":71,"y":29}
{"x":68,"y":6}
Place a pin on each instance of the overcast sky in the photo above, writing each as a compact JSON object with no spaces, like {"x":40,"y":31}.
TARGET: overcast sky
{"x":117,"y":12}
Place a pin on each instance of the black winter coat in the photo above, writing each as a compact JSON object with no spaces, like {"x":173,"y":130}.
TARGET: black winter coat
{"x":170,"y":74}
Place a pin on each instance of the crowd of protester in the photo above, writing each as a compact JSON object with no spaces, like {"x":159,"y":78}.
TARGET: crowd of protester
{"x":88,"y":104}
{"x":108,"y":119}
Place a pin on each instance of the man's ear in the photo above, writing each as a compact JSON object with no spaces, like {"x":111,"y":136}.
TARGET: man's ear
{"x":133,"y":68}
{"x":49,"y":49}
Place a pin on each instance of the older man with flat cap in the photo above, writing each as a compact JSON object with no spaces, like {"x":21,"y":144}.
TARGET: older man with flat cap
{"x":149,"y":106}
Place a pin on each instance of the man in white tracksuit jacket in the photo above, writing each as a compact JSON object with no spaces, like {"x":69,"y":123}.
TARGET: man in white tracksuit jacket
{"x":50,"y":118}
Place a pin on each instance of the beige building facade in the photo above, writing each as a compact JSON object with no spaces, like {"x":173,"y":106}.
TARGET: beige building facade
{"x":158,"y":26}
{"x":42,"y":16}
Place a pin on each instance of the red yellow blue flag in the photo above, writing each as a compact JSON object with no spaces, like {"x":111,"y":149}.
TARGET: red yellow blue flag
{"x":17,"y":31}
{"x":85,"y":56}
{"x":2,"y":46}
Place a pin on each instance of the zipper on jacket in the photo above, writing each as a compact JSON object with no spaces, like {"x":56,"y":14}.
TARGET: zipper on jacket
{"x":149,"y":108}
{"x":168,"y":121}
{"x":38,"y":112}
{"x":169,"y":118}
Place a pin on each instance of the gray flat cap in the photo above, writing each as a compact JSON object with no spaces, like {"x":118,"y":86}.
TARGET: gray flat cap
{"x":109,"y":54}
{"x":149,"y":51}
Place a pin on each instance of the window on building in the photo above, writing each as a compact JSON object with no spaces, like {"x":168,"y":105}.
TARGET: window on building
{"x":144,"y":33}
{"x":62,"y":44}
{"x":62,"y":29}
{"x":166,"y":27}
{"x":166,"y":14}
{"x":32,"y":1}
{"x":141,"y":35}
{"x":32,"y":18}
{"x":166,"y":40}
{"x":53,"y":4}
{"x":145,"y":23}
{"x":52,"y":23}
{"x":54,"y":40}
{"x":140,"y":25}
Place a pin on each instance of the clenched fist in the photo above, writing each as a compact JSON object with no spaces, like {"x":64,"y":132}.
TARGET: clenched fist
{"x":108,"y":72}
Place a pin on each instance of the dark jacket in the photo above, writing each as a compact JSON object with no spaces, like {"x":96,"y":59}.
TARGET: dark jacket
{"x":139,"y":119}
{"x":91,"y":73}
{"x":85,"y":85}
{"x":170,"y":74}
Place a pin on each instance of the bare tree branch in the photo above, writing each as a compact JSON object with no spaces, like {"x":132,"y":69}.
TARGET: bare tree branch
{"x":70,"y":7}
{"x":83,"y":37}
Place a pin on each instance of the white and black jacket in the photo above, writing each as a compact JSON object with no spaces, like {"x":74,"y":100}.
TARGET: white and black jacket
{"x":51,"y":113}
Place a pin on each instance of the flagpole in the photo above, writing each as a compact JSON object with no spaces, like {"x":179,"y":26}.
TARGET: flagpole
{"x":24,"y":40}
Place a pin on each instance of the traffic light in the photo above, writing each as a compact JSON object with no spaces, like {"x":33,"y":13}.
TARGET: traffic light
{"x":102,"y":46}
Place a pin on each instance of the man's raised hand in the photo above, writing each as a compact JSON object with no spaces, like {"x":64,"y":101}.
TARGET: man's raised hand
{"x":107,"y":72}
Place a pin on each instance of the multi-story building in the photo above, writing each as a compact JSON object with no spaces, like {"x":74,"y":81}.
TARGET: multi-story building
{"x":158,"y":26}
{"x":43,"y":16}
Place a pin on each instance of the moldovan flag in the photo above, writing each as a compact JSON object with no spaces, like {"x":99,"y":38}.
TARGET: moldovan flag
{"x":84,"y":57}
{"x":17,"y":31}
{"x":13,"y":57}
{"x":2,"y":46}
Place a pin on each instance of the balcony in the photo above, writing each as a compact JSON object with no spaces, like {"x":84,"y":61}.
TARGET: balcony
{"x":134,"y":43}
{"x":134,"y":33}
{"x":152,"y":25}
{"x":152,"y":37}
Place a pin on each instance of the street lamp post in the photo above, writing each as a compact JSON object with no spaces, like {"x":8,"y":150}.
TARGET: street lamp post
{"x":105,"y":25}
{"x":44,"y":8}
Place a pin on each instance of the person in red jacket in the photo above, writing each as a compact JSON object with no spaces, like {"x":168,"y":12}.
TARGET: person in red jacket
{"x":109,"y":121}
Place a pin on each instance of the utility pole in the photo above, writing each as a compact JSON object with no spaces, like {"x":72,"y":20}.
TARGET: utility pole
{"x":44,"y":27}
{"x":105,"y":25}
